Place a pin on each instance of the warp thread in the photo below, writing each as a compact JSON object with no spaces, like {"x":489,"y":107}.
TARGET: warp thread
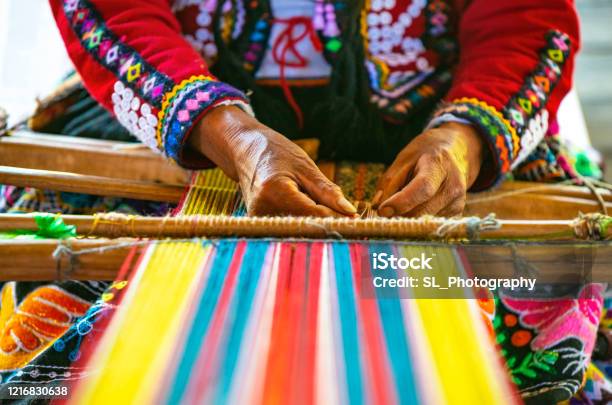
{"x":64,"y":250}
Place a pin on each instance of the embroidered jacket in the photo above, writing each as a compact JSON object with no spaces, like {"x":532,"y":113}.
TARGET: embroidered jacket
{"x":503,"y":65}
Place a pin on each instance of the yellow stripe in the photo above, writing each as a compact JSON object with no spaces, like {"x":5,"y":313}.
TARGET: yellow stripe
{"x":464,"y":359}
{"x":133,"y":354}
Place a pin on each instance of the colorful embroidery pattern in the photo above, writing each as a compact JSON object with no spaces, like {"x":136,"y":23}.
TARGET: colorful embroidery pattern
{"x":183,"y":106}
{"x":547,"y":342}
{"x":525,"y":111}
{"x":180,"y":105}
{"x":115,"y":55}
{"x":521,"y":126}
{"x":400,"y":67}
{"x":32,"y":325}
{"x":499,"y":133}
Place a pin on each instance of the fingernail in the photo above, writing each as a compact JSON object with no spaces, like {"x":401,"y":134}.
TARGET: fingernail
{"x":377,"y":196}
{"x":387,"y":212}
{"x":346,"y":205}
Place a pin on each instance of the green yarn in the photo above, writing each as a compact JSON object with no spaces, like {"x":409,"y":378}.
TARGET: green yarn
{"x":604,"y":223}
{"x":586,"y":167}
{"x":50,"y":226}
{"x":333,"y":45}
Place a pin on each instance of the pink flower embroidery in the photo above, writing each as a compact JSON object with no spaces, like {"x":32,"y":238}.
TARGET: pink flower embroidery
{"x":556,"y":320}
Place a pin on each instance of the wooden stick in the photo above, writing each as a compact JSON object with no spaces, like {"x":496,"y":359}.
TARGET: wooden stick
{"x":103,"y":186}
{"x":118,"y":225}
{"x":530,"y":206}
{"x":118,"y":160}
{"x":523,"y":206}
{"x":555,"y":189}
{"x":33,"y":260}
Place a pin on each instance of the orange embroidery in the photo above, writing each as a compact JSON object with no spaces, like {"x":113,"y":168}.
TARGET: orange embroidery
{"x":43,"y":316}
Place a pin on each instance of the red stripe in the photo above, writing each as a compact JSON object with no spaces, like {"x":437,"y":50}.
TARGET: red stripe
{"x":376,"y":355}
{"x":283,"y":327}
{"x":312,"y":310}
{"x":206,"y":365}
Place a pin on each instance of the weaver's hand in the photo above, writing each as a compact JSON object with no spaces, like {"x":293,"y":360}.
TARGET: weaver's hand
{"x":276,"y":176}
{"x":432,"y":174}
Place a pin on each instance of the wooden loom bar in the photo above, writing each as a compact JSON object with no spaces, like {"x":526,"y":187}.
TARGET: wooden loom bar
{"x":33,"y":260}
{"x":96,"y":185}
{"x":123,"y":160}
{"x":525,"y":206}
{"x":554,"y":189}
{"x":118,"y":160}
{"x":118,"y":225}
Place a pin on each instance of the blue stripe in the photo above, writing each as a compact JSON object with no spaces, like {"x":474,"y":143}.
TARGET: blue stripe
{"x":348,"y":321}
{"x":206,"y":307}
{"x":252,"y":265}
{"x":395,"y":337}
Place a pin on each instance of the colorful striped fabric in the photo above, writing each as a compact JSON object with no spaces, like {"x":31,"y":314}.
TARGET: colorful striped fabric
{"x":277,"y":321}
{"x":260,"y":321}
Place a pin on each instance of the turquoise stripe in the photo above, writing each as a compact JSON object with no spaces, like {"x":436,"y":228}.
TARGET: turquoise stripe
{"x":248,"y":281}
{"x":208,"y":302}
{"x":395,"y":337}
{"x":348,"y":321}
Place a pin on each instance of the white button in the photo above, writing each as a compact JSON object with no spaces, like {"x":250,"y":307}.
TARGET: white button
{"x":135,"y":104}
{"x":389,"y":4}
{"x":372,"y":19}
{"x":385,"y":18}
{"x":203,"y":19}
{"x":374,"y":33}
{"x":377,"y":5}
{"x":203,"y":34}
{"x":405,"y":19}
{"x":145,"y":109}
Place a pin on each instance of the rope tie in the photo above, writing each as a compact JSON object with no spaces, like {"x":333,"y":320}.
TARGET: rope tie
{"x":593,"y":226}
{"x":596,"y":193}
{"x":63,"y":250}
{"x":328,"y":232}
{"x":474,"y":226}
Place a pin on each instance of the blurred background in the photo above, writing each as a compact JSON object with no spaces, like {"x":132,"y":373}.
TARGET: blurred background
{"x":32,"y":59}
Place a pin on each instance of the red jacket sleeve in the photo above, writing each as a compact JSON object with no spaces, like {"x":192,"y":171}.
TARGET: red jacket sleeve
{"x":515,"y":67}
{"x":134,"y":61}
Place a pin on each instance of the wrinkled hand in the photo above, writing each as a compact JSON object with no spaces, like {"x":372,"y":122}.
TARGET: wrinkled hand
{"x":276,"y":177}
{"x":432,"y":174}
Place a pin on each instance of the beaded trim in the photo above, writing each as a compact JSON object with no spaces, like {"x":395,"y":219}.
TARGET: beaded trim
{"x":185,"y":104}
{"x":122,"y":60}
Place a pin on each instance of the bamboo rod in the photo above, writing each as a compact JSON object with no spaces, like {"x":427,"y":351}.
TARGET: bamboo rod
{"x":88,"y":259}
{"x":96,"y":185}
{"x":118,"y":225}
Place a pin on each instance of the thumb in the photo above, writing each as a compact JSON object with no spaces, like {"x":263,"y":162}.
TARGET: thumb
{"x":325,"y":192}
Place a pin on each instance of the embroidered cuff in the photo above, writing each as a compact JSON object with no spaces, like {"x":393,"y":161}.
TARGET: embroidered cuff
{"x":496,"y":131}
{"x":185,"y":105}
